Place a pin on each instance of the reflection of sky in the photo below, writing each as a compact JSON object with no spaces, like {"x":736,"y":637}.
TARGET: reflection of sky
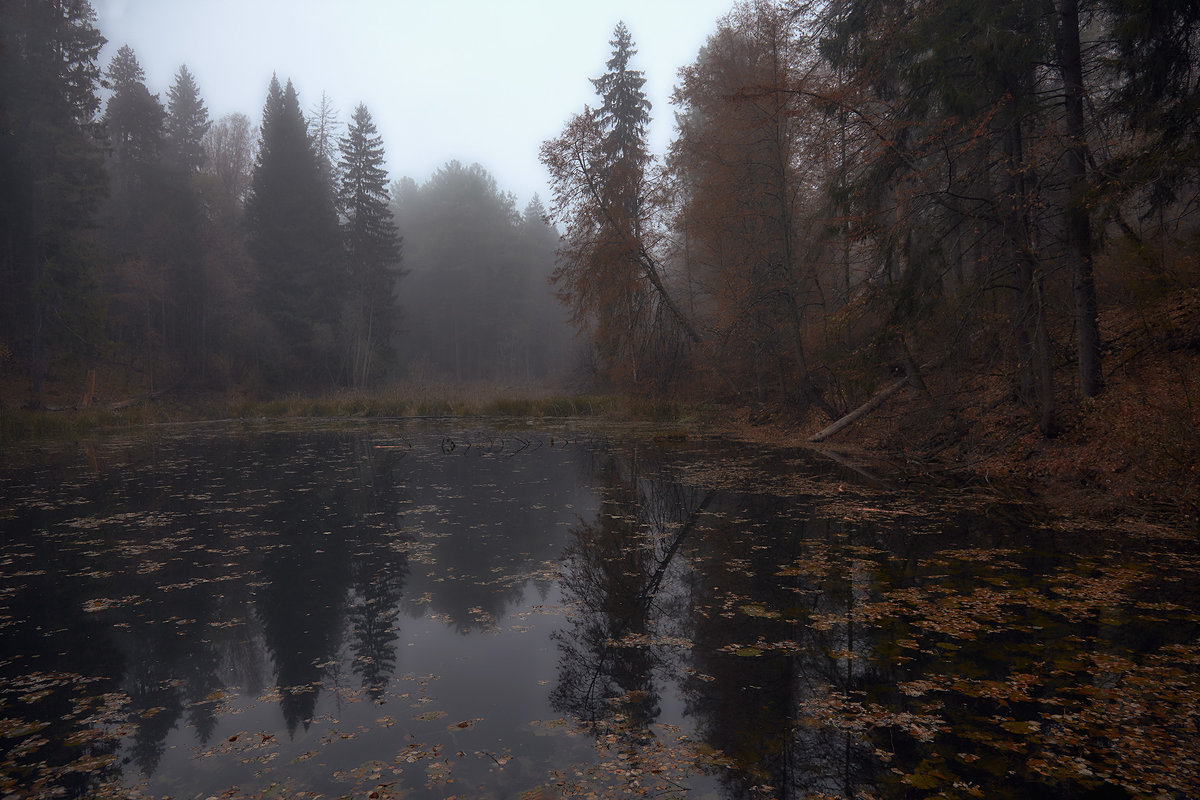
{"x":473,"y":523}
{"x":226,"y":562}
{"x":501,"y":678}
{"x":481,"y":522}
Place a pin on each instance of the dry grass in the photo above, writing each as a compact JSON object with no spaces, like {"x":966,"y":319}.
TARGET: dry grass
{"x":478,"y":400}
{"x":400,"y":402}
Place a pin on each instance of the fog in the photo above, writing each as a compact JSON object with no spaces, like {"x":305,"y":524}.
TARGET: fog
{"x":472,"y":81}
{"x":239,"y":269}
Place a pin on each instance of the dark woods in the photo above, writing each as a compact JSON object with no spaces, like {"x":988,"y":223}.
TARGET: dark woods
{"x":857,"y":191}
{"x":860,"y":191}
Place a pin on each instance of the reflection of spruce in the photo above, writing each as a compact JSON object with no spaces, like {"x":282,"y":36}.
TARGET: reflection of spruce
{"x":378,"y":587}
{"x":200,"y":682}
{"x":155,"y":707}
{"x":300,"y":607}
{"x":751,"y":706}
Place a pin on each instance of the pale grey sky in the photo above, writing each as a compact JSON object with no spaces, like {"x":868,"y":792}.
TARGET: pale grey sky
{"x":472,"y":80}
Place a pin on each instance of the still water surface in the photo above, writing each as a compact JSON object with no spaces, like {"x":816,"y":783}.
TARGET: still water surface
{"x":419,"y":610}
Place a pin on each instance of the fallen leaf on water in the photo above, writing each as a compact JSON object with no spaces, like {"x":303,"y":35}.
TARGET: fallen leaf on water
{"x":430,"y":715}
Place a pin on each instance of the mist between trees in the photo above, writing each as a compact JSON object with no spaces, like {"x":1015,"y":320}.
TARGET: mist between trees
{"x":858,"y":191}
{"x":166,"y":250}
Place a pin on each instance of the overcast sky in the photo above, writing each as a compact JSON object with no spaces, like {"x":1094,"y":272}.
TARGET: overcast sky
{"x":474,"y":80}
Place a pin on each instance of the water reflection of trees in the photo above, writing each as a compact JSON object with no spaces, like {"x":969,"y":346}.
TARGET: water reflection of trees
{"x":47,"y":680}
{"x":748,"y":701}
{"x":378,"y":584}
{"x":486,"y":506}
{"x":279,"y":559}
{"x":330,"y":512}
{"x":663,"y":565}
{"x":226,"y":552}
{"x":297,"y":559}
{"x":621,"y":578}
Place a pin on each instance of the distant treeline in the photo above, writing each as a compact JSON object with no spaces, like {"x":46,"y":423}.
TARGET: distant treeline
{"x":161,"y":248}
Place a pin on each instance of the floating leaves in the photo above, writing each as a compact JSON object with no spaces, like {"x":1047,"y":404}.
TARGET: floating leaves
{"x":686,"y":642}
{"x":756,"y":610}
{"x":99,"y":604}
{"x":12,"y":728}
{"x":429,"y":716}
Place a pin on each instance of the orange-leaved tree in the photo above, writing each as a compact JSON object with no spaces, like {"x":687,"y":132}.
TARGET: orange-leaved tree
{"x":608,"y":271}
{"x":746,"y":171}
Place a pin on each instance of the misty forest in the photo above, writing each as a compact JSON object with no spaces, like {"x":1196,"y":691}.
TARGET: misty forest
{"x":848,"y":447}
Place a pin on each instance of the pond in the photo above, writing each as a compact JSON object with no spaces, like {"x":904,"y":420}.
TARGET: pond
{"x":428,"y":610}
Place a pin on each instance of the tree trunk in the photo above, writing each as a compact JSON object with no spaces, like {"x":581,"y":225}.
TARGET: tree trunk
{"x":860,"y":412}
{"x":1079,"y":232}
{"x":1031,"y":307}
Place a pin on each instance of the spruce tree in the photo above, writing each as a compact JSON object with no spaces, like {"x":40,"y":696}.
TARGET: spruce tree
{"x":372,"y":246}
{"x":187,"y":123}
{"x":185,"y":241}
{"x":133,"y":121}
{"x":294,"y":240}
{"x":51,"y":180}
{"x":624,"y":111}
{"x":622,"y":118}
{"x":140,"y":218}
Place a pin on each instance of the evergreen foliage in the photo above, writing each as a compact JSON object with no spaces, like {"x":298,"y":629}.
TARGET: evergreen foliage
{"x":187,"y":123}
{"x":372,"y":248}
{"x":598,"y":172}
{"x":293,"y":238}
{"x":624,"y":111}
{"x":1157,"y":78}
{"x":51,"y":180}
{"x":854,"y":185}
{"x":134,"y":123}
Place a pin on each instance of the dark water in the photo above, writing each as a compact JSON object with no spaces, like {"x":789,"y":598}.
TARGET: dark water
{"x":408,"y":611}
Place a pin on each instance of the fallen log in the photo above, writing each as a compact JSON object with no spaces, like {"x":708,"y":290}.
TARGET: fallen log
{"x":860,"y":412}
{"x":913,"y":378}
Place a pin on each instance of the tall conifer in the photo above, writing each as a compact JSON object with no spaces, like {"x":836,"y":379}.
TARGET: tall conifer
{"x":133,"y":121}
{"x":293,"y":238}
{"x":622,"y":118}
{"x":187,"y":122}
{"x":372,"y":246}
{"x":625,"y":110}
{"x":51,"y":178}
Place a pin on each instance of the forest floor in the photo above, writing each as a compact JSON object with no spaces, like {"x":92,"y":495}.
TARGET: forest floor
{"x":1131,"y":454}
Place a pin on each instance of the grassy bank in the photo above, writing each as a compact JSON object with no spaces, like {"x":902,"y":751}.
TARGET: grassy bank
{"x":23,"y":425}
